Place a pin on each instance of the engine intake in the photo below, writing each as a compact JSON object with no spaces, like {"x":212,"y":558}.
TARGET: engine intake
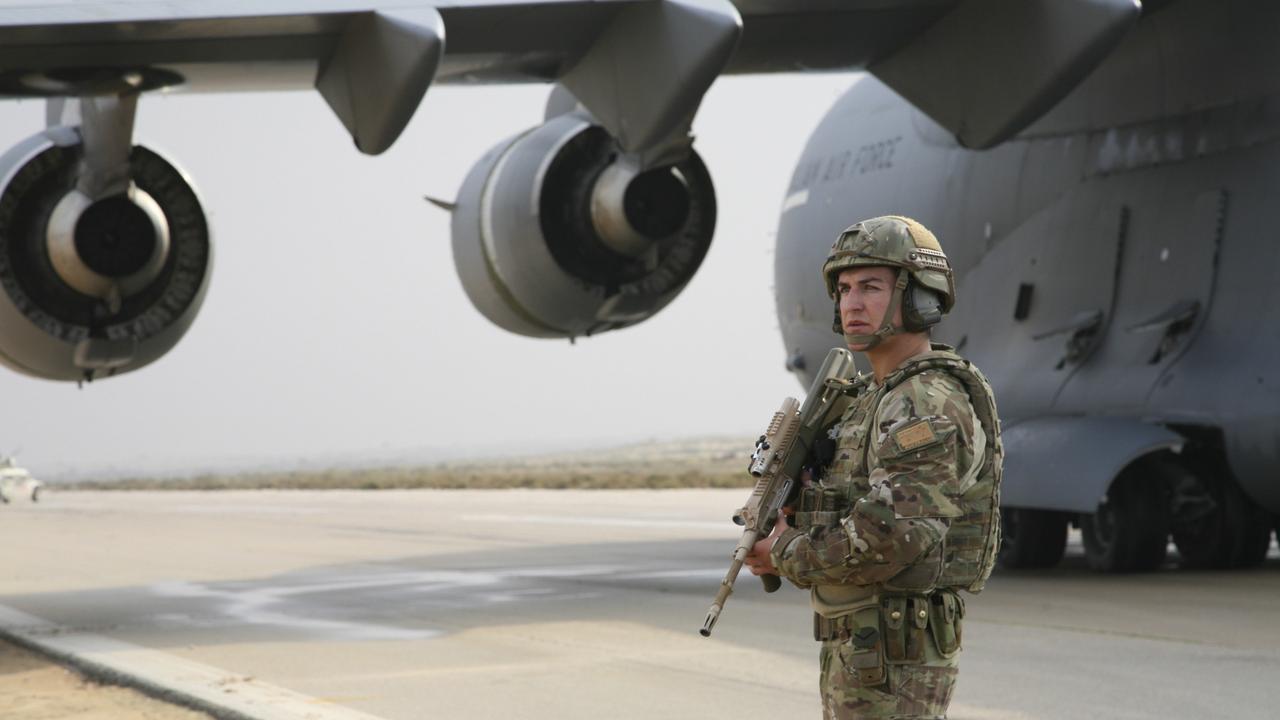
{"x":557,"y":235}
{"x":95,"y":287}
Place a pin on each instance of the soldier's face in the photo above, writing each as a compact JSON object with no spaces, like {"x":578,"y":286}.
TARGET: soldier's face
{"x":865,"y":293}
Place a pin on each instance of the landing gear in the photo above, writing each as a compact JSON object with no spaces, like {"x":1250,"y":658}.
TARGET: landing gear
{"x":1129,"y":532}
{"x":1031,"y":539}
{"x":1216,"y":525}
{"x":35,"y":494}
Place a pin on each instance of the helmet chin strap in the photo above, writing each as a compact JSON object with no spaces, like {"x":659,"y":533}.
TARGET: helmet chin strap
{"x":887,"y":327}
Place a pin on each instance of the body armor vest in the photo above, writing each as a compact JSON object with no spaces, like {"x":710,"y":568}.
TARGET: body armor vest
{"x":971,"y":543}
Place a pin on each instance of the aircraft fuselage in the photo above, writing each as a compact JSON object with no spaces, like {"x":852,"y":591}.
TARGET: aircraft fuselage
{"x":1117,"y":260}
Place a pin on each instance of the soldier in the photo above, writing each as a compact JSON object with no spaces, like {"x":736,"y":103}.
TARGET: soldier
{"x":902,"y":508}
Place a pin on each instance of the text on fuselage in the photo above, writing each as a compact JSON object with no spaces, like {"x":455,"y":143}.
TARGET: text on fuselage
{"x":867,"y":158}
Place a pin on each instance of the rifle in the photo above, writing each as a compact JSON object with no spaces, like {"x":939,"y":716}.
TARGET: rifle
{"x":779,"y":457}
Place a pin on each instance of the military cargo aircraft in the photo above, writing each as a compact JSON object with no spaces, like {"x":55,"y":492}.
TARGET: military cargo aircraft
{"x":1098,"y":170}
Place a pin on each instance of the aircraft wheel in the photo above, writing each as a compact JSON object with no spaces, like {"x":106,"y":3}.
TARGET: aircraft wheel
{"x":1232,"y":533}
{"x":1252,"y":527}
{"x":1031,"y":538}
{"x":1129,"y":532}
{"x":35,"y":494}
{"x":4,"y":498}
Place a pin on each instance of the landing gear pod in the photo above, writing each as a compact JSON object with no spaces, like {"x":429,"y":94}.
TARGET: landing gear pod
{"x":94,"y":287}
{"x":557,"y":235}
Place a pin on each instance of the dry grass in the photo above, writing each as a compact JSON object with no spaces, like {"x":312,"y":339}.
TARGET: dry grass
{"x":718,"y":463}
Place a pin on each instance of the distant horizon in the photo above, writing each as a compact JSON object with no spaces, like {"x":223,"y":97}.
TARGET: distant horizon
{"x":422,"y":457}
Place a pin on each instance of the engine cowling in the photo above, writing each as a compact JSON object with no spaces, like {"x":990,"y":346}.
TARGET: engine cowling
{"x":91,"y":288}
{"x":555,"y":236}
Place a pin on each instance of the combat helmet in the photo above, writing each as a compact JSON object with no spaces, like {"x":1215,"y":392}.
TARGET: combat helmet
{"x":925,"y":286}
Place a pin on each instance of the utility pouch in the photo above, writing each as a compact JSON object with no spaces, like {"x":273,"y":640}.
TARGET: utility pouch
{"x":802,"y":519}
{"x":905,"y":621}
{"x":825,"y":519}
{"x":833,"y":499}
{"x":946,"y":610}
{"x":863,"y":653}
{"x":809,"y":498}
{"x":820,"y":508}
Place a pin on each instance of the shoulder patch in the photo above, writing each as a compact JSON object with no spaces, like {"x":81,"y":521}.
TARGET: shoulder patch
{"x":914,"y":435}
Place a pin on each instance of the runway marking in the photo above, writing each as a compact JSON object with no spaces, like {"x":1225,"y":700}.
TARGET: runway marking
{"x":203,"y":687}
{"x":254,"y":607}
{"x":259,"y":605}
{"x":713,"y":573}
{"x":725,"y":526}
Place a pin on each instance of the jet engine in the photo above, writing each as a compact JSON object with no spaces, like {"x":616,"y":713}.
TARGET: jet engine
{"x":557,"y":234}
{"x":95,"y":287}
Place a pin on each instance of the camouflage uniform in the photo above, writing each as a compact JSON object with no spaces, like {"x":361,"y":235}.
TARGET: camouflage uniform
{"x":904,"y":515}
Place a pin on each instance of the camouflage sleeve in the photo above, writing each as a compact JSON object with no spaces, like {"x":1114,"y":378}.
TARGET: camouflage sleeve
{"x":924,"y":445}
{"x":920,"y":454}
{"x":871,"y":545}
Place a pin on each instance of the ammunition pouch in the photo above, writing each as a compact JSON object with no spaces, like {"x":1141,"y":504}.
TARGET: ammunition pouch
{"x":811,"y":522}
{"x":946,"y":613}
{"x":894,"y":631}
{"x":820,"y":508}
{"x":905,"y":620}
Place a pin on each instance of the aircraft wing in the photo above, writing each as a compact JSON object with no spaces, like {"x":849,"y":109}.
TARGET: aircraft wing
{"x":108,"y":263}
{"x":983,"y":68}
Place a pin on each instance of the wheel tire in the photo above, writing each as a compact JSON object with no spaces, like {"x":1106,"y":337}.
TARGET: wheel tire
{"x":1236,"y":533}
{"x":1031,"y":539}
{"x":1129,"y":532}
{"x":35,"y":494}
{"x":1252,"y":530}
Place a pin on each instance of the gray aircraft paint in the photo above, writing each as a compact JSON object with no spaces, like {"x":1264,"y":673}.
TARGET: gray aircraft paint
{"x":1138,"y":211}
{"x":1109,"y":254}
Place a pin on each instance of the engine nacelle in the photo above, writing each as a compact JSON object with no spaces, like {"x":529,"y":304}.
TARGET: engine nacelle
{"x":554,"y":236}
{"x":91,"y":288}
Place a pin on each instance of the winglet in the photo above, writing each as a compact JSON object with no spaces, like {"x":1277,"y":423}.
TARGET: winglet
{"x":379,"y":71}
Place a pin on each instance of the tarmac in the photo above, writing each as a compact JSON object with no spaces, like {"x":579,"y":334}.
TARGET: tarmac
{"x":351,"y":605}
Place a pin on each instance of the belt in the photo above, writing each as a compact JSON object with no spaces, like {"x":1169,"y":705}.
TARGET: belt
{"x":842,"y":627}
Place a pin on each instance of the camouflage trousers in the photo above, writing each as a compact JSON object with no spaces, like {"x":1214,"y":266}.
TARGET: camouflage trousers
{"x":909,"y":692}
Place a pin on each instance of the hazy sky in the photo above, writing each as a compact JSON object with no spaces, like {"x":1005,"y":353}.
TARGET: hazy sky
{"x":335,"y":328}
